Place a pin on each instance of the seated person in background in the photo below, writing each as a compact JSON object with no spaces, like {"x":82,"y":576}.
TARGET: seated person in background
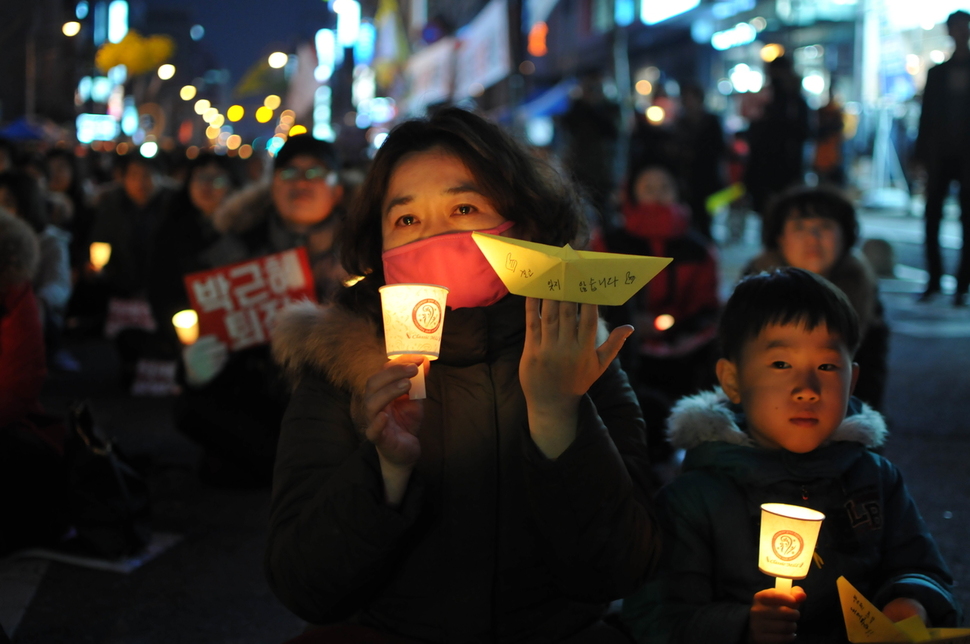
{"x":187,"y":234}
{"x":671,"y":353}
{"x":31,"y":485}
{"x":816,"y":229}
{"x":784,"y":428}
{"x":128,"y":217}
{"x":21,"y":195}
{"x":232,"y":404}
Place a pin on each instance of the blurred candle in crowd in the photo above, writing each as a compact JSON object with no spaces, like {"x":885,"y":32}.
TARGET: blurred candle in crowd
{"x":414,"y":316}
{"x":788,"y":536}
{"x":100,"y":253}
{"x":186,"y":326}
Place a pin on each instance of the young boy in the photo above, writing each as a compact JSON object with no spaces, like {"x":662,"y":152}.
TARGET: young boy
{"x":784,"y":429}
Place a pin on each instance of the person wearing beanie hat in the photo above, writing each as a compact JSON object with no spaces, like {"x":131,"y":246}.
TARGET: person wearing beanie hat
{"x":305,"y":182}
{"x":233,"y":403}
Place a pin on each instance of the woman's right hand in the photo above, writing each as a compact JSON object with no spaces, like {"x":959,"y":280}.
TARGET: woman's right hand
{"x":393,"y":421}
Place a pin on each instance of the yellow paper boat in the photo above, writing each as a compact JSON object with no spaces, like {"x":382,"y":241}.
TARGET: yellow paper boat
{"x":552,"y":273}
{"x":866,"y":623}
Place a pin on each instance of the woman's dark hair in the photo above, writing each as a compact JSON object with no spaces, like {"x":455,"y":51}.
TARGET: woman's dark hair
{"x":803,"y":202}
{"x":785,"y":296}
{"x":27,"y":195}
{"x":522,"y":188}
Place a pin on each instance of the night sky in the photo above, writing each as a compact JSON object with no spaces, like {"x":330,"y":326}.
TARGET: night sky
{"x":240,"y":32}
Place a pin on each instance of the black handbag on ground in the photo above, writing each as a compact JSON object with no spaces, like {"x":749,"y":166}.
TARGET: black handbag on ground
{"x":109,"y":503}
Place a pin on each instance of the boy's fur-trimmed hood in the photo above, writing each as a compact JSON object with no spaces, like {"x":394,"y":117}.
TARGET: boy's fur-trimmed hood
{"x":19,"y":251}
{"x":707,"y":417}
{"x":245,"y":209}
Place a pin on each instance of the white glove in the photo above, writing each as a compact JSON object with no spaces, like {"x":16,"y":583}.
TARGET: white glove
{"x":204,"y":360}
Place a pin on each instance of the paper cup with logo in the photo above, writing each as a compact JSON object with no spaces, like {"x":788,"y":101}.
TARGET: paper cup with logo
{"x":414,"y":316}
{"x":788,"y":536}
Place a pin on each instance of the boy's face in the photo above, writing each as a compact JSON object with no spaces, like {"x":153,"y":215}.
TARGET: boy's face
{"x":793,"y":384}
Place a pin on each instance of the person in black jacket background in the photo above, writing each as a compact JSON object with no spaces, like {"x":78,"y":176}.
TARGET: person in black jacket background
{"x":943,"y":148}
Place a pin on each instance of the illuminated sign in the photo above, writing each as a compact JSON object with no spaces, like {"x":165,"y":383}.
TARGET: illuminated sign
{"x":652,"y":11}
{"x":96,"y":127}
{"x":742,"y":33}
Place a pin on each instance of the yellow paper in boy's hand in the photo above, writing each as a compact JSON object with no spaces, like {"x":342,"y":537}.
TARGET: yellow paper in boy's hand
{"x":863,"y":621}
{"x":565,"y":274}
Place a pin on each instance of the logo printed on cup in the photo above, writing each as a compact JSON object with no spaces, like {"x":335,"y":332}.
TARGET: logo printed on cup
{"x":427,"y":315}
{"x":787,"y":545}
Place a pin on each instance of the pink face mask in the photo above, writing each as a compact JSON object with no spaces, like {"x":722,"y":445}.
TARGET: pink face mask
{"x":452,"y":260}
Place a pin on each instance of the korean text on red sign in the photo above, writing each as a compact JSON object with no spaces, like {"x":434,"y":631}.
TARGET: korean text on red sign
{"x":237,"y":303}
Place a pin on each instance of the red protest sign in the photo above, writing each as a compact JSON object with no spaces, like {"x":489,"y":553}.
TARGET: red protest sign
{"x":237,"y":302}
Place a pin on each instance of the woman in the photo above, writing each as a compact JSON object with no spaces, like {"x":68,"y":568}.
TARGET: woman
{"x":187,"y":233}
{"x":816,"y":229}
{"x":512,"y":503}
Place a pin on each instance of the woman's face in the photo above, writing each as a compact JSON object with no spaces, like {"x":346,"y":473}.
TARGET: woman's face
{"x":61,"y":173}
{"x":811,"y":243}
{"x":430,"y":193}
{"x":208,"y":186}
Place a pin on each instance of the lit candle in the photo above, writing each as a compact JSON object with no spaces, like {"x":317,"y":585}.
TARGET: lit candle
{"x":788,"y":536}
{"x":414,"y":316}
{"x":100,"y":253}
{"x":186,"y":326}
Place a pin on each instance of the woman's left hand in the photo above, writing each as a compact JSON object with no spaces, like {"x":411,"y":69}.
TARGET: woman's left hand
{"x":560,"y":362}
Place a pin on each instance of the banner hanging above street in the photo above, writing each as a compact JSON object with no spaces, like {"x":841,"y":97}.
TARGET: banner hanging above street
{"x":483,"y":55}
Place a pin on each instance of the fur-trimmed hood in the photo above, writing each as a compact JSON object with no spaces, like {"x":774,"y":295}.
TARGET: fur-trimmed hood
{"x":19,"y":252}
{"x":330,"y":340}
{"x":708,"y":417}
{"x":244,"y":210}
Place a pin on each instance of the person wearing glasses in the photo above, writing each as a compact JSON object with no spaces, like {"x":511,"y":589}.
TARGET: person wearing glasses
{"x":186,"y":237}
{"x":232,"y":403}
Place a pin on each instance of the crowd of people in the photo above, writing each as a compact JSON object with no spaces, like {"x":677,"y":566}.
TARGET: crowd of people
{"x":531,"y":487}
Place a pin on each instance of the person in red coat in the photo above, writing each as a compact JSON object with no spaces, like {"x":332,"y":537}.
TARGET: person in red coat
{"x":22,"y":366}
{"x":30,"y":474}
{"x":672,"y":351}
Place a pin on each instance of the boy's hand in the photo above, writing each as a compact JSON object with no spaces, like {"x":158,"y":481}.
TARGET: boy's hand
{"x":773,"y":617}
{"x":902,"y":608}
{"x":560,"y":362}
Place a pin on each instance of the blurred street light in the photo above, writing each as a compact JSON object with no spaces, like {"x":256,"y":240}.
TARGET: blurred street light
{"x":278,"y":60}
{"x":272,"y":102}
{"x":264,"y":114}
{"x":166,"y":71}
{"x":202,"y":105}
{"x":71,"y":29}
{"x":187,"y":93}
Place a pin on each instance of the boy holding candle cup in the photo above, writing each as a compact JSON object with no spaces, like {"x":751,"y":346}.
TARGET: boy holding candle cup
{"x":784,"y":429}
